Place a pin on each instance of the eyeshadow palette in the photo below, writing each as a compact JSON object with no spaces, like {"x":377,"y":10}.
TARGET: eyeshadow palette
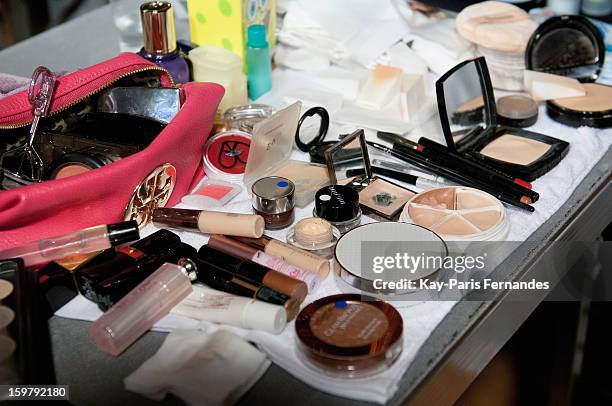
{"x":458,"y":214}
{"x":496,"y":140}
{"x":377,"y":196}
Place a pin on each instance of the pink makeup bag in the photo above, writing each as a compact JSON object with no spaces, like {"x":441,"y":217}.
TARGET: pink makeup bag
{"x":102,"y":195}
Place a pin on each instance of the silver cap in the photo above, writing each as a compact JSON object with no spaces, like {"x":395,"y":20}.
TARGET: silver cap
{"x":273,"y":195}
{"x":158,"y":27}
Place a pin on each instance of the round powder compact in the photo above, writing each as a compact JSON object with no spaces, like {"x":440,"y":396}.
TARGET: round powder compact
{"x":594,"y":109}
{"x":358,"y":250}
{"x":458,"y":213}
{"x":225,"y":155}
{"x":316,"y":235}
{"x":517,"y":111}
{"x":6,"y":288}
{"x":349,"y":335}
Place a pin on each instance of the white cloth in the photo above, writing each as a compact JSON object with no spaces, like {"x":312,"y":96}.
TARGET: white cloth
{"x":202,"y":369}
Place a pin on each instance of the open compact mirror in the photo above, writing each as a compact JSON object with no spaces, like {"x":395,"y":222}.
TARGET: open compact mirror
{"x":376,"y":195}
{"x":470,"y":123}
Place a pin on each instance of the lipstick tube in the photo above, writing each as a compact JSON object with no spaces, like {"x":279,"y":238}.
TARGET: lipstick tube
{"x":211,"y":222}
{"x":254,"y":272}
{"x":213,"y":305}
{"x":80,"y":242}
{"x":108,"y":291}
{"x":138,"y":311}
{"x":288,"y":253}
{"x":220,"y":279}
{"x":240,"y":250}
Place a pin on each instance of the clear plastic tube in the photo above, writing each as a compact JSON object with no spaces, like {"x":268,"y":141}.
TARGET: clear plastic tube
{"x":79,"y":242}
{"x":136,"y":313}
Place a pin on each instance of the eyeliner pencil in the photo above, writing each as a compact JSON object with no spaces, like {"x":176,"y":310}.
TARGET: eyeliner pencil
{"x":415,"y":158}
{"x":441,"y":156}
{"x":426,"y":143}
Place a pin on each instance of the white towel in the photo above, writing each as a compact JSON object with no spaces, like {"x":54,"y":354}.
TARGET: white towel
{"x":200,"y":368}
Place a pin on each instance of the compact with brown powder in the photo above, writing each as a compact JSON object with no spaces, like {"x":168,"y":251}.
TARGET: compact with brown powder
{"x":349,"y":335}
{"x":593,"y":109}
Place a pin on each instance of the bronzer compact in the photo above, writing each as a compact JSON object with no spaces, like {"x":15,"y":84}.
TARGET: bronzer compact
{"x":572,"y":46}
{"x":377,"y":196}
{"x":523,"y":154}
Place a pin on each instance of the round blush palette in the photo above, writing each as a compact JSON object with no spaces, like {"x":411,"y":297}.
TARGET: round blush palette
{"x":458,"y":213}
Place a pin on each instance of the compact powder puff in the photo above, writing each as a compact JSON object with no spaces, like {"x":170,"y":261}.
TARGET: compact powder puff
{"x":384,"y":197}
{"x":6,"y":317}
{"x":515,"y":149}
{"x":6,"y":288}
{"x":458,"y":213}
{"x":349,"y":335}
{"x":225,"y":155}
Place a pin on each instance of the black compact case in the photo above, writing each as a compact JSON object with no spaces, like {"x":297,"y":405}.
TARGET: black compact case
{"x":570,"y":46}
{"x":467,"y":81}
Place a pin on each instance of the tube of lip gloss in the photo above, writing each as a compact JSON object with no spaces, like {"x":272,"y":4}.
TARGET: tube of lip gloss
{"x":140,"y":309}
{"x":210,"y":222}
{"x":80,"y":242}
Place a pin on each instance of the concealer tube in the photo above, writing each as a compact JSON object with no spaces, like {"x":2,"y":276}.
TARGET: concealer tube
{"x":220,"y":279}
{"x":286,"y":252}
{"x":243,"y":251}
{"x":254,"y":272}
{"x":211,"y":222}
{"x":213,"y":305}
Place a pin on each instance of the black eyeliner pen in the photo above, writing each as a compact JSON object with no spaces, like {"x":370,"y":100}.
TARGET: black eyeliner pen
{"x":415,"y":158}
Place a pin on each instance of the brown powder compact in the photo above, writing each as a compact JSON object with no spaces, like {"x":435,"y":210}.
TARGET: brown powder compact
{"x":458,"y":213}
{"x":377,"y":196}
{"x":349,"y":335}
{"x":498,"y":141}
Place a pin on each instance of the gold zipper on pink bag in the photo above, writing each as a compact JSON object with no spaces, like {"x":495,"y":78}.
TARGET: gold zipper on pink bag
{"x":151,"y":68}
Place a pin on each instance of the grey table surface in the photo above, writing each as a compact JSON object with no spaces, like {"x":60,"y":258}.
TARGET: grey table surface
{"x":463,"y":342}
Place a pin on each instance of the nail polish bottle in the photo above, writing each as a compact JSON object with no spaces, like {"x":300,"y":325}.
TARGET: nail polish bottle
{"x":160,"y":39}
{"x":259,"y":62}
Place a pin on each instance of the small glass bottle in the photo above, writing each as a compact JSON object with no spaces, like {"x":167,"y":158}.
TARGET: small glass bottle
{"x":160,"y":39}
{"x":259,"y":63}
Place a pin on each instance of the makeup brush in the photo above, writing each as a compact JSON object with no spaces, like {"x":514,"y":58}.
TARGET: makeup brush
{"x":415,"y":158}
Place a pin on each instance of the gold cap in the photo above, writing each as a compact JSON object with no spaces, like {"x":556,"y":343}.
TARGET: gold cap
{"x":158,"y":27}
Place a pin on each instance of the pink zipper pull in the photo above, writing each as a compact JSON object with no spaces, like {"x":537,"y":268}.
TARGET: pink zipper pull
{"x":40,"y":101}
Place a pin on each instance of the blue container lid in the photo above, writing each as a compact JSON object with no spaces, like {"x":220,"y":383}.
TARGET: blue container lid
{"x":257,"y":36}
